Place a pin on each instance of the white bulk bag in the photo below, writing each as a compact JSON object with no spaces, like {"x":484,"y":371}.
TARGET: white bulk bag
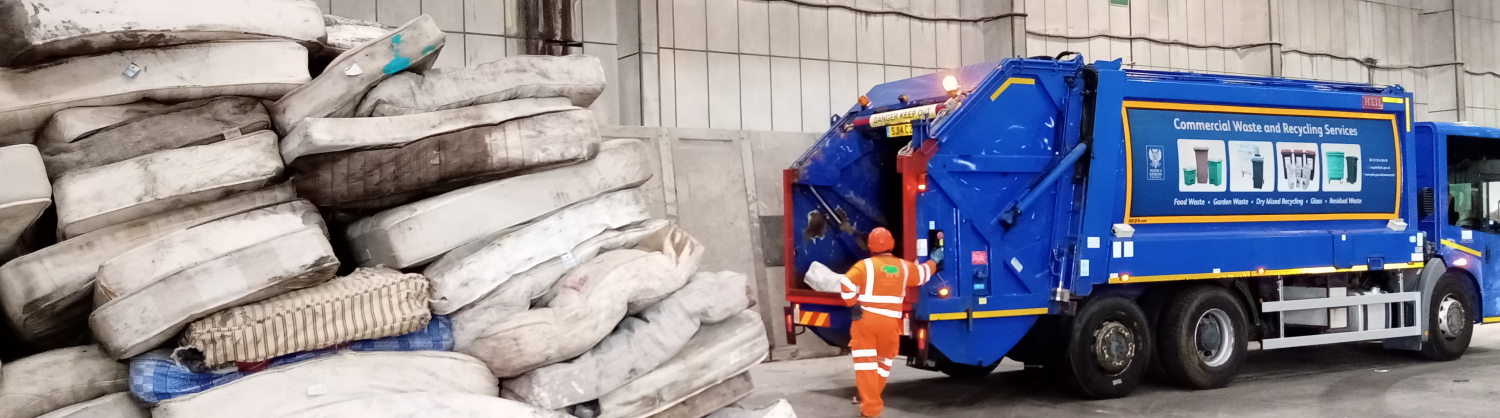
{"x":637,"y":345}
{"x":49,"y":381}
{"x":189,"y":124}
{"x":94,"y":198}
{"x":347,"y":376}
{"x":63,"y":28}
{"x":24,"y":191}
{"x":336,"y":92}
{"x":476,"y":269}
{"x":517,"y":293}
{"x":822,"y":279}
{"x":324,"y":135}
{"x":430,"y":405}
{"x":580,"y":78}
{"x":70,"y":124}
{"x":418,"y":232}
{"x":716,"y":353}
{"x":265,"y":69}
{"x":118,"y":405}
{"x":136,"y":322}
{"x":386,"y":177}
{"x":48,"y":294}
{"x":590,"y":300}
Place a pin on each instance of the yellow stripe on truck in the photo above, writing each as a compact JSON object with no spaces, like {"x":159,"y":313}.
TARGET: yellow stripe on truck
{"x":987,"y":314}
{"x":1456,"y":246}
{"x":1008,"y":82}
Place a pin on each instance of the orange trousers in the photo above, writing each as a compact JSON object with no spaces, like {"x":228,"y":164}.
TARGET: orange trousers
{"x":874,"y":341}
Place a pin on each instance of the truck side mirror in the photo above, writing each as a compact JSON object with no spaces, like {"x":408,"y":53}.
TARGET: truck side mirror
{"x":1428,"y":202}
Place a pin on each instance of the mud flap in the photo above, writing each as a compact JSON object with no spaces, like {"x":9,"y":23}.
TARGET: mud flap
{"x":1431,"y":272}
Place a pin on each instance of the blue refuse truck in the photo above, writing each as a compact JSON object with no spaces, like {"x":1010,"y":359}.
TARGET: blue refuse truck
{"x":1102,"y":224}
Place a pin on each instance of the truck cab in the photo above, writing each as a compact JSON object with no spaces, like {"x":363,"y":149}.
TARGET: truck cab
{"x":1097,"y":222}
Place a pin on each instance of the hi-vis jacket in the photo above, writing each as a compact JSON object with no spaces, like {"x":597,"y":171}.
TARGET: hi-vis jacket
{"x":879,"y":283}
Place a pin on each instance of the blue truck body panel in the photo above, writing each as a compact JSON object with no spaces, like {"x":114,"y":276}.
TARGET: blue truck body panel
{"x":1184,"y":177}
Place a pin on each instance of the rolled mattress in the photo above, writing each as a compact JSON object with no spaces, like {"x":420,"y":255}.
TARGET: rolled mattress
{"x":716,"y":353}
{"x":386,"y":177}
{"x":65,"y":28}
{"x":580,"y":78}
{"x":24,"y":193}
{"x":418,"y":232}
{"x":138,"y":321}
{"x":265,"y":69}
{"x":466,"y":274}
{"x":369,"y":303}
{"x":118,"y":405}
{"x":47,"y":294}
{"x":189,"y":124}
{"x":49,"y":381}
{"x":325,"y":135}
{"x":94,"y":198}
{"x":336,"y":92}
{"x":343,"y":377}
{"x":70,"y":124}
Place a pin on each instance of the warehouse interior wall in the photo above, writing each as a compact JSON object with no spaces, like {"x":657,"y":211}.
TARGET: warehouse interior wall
{"x":733,"y":91}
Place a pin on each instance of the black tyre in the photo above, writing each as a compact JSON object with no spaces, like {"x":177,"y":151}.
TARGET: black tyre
{"x":965,"y":371}
{"x":1108,"y":349}
{"x":1153,"y":303}
{"x":1203,"y":337}
{"x":1450,"y":319}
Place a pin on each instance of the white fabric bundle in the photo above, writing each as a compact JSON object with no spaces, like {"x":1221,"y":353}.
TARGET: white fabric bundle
{"x":637,"y":345}
{"x":580,"y":78}
{"x":822,"y":279}
{"x":48,"y":294}
{"x":589,"y":301}
{"x":716,"y":353}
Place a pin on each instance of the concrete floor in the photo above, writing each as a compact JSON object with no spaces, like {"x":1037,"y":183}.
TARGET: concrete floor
{"x":1349,"y":380}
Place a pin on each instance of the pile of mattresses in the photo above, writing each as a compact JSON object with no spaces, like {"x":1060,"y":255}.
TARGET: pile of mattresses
{"x":256,"y":210}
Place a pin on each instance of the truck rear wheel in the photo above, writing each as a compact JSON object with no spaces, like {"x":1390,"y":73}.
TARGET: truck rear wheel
{"x":1108,"y":349}
{"x":1450,"y":319}
{"x":1204,"y":337}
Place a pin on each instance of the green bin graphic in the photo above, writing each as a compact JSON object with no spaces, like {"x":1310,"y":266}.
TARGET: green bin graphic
{"x":1189,"y":176}
{"x":1335,"y":165}
{"x":1216,"y":173}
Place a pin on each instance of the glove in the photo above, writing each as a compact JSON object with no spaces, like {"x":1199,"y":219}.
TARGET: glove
{"x":856,"y":312}
{"x":937,"y":255}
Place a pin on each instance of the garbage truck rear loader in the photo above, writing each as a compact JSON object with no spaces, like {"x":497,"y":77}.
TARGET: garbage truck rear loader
{"x":1099,"y":222}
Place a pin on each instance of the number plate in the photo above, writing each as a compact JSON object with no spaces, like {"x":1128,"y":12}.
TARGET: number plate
{"x":898,"y":130}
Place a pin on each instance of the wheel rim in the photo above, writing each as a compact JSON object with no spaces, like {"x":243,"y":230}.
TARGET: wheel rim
{"x":1214,"y":336}
{"x":1450,"y":316}
{"x":1114,"y":347}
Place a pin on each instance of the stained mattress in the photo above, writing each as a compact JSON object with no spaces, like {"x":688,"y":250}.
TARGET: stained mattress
{"x":94,"y":198}
{"x":467,"y":273}
{"x":70,"y":124}
{"x":779,"y":409}
{"x":24,"y":193}
{"x":265,"y":69}
{"x":637,"y":345}
{"x":65,"y":28}
{"x":47,"y":294}
{"x":418,"y":232}
{"x":580,"y":78}
{"x":590,"y":301}
{"x":386,"y":177}
{"x":430,"y":405}
{"x":344,"y":377}
{"x":336,"y":92}
{"x":194,"y":123}
{"x":517,"y":293}
{"x":345,"y":33}
{"x":325,"y":135}
{"x":118,"y":405}
{"x":369,"y":303}
{"x":716,"y":353}
{"x":55,"y":379}
{"x":248,"y":266}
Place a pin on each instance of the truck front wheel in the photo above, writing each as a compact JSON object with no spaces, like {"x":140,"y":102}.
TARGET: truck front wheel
{"x":1204,"y":337}
{"x":1450,"y":319}
{"x":1108,"y":349}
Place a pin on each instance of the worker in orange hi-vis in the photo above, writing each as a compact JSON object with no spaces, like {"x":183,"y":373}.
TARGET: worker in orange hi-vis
{"x":874,"y":289}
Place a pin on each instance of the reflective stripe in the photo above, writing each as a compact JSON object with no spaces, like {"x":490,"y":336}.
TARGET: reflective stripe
{"x":847,"y":295}
{"x":849,"y":285}
{"x":869,"y":276}
{"x":905,"y":274}
{"x":880,"y":299}
{"x":887,"y":362}
{"x":922,"y":274}
{"x":867,"y":366}
{"x":886,"y":312}
{"x":864,"y":353}
{"x":883,"y":372}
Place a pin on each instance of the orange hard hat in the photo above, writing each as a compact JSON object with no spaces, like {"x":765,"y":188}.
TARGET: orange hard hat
{"x":881,"y":241}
